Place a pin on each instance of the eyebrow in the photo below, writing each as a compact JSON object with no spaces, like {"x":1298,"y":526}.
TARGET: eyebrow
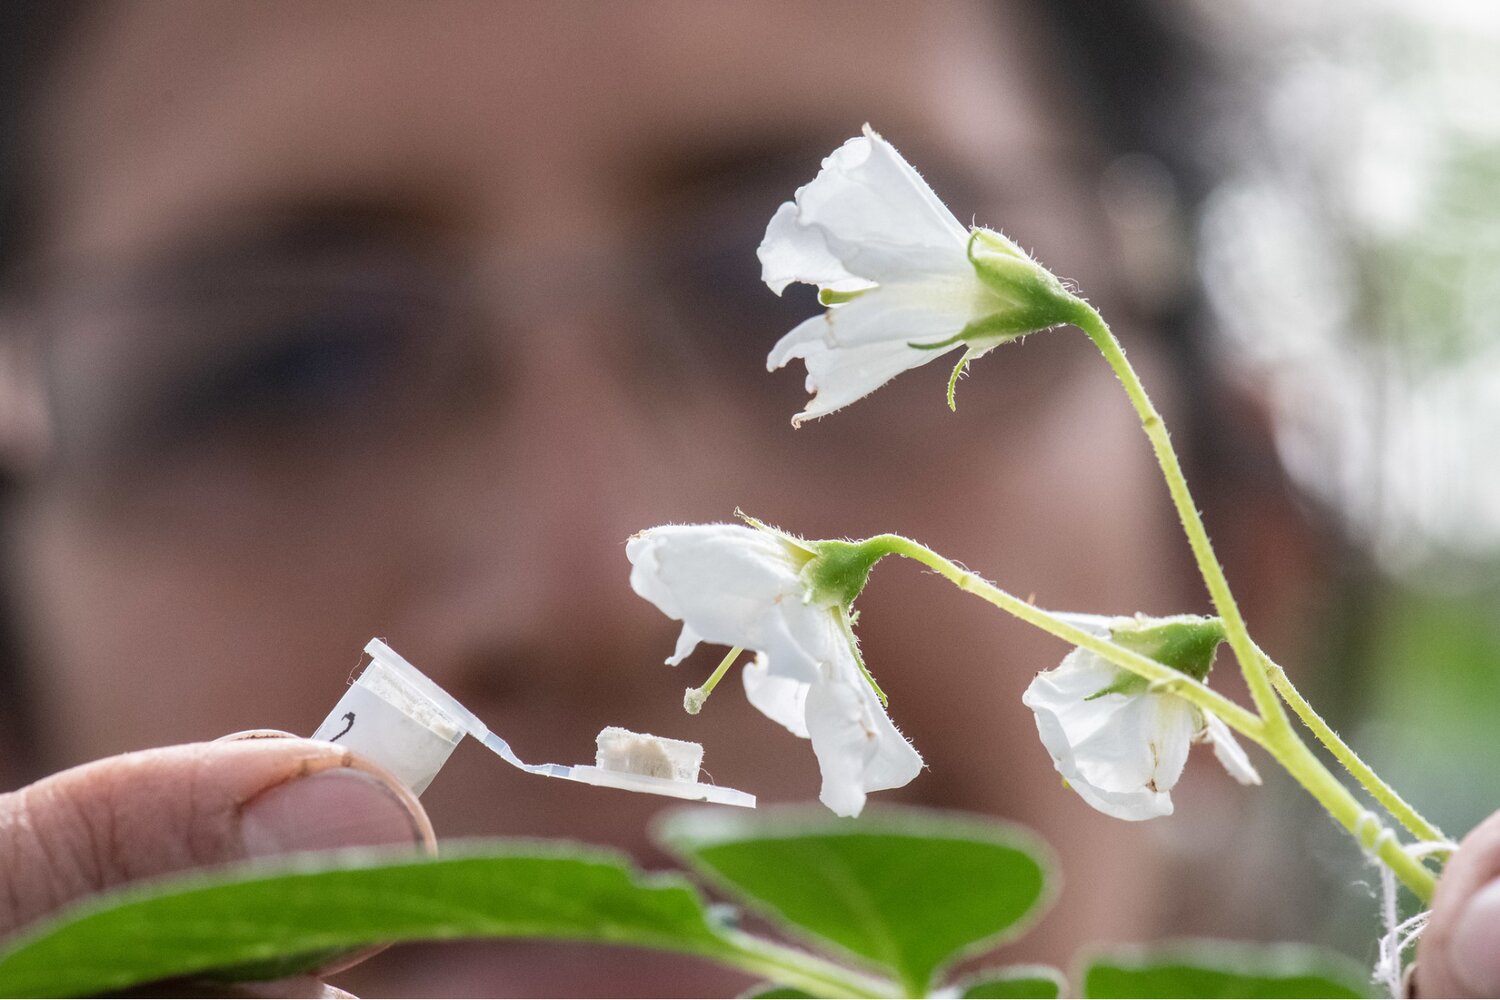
{"x":783,"y":159}
{"x":234,"y":242}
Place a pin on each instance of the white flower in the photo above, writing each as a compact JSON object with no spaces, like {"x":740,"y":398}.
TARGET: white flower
{"x":741,"y":586}
{"x":905,"y":280}
{"x":1122,"y":746}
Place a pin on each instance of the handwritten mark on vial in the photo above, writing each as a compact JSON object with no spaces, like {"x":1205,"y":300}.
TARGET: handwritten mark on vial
{"x":345,"y":731}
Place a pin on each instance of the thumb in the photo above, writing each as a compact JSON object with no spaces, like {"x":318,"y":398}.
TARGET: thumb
{"x":1459,"y":953}
{"x":159,"y":811}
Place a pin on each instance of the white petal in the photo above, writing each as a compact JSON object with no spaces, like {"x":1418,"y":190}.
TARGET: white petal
{"x":868,"y":214}
{"x":934,"y":308}
{"x":858,"y":748}
{"x":687,"y":641}
{"x":736,"y":586}
{"x":1120,"y":753}
{"x":1228,"y":750}
{"x":1170,"y":728}
{"x":780,"y":699}
{"x":867,"y":193}
{"x":791,"y":252}
{"x":837,"y":376}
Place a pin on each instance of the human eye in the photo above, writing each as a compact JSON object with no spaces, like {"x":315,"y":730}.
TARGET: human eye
{"x":284,"y":357}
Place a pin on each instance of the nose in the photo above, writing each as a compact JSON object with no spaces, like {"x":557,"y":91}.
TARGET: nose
{"x":519,"y":589}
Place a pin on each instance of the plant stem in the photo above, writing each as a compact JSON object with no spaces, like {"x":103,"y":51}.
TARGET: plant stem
{"x":1362,"y":772}
{"x":790,"y":967}
{"x":1283,"y":743}
{"x":1159,"y":673}
{"x":1368,"y":831}
{"x":1238,"y":636}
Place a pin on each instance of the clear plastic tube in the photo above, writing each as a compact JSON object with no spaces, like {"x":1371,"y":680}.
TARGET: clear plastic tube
{"x":398,"y":717}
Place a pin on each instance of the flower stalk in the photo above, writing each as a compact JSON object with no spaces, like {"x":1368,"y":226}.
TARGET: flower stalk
{"x":1165,"y":677}
{"x":1236,"y":633}
{"x":1282,"y":742}
{"x":1379,"y":789}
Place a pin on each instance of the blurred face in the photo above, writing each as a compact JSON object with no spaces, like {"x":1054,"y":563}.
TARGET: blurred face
{"x":398,"y":320}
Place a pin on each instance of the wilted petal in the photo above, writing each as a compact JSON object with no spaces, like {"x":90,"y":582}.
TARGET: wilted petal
{"x":858,"y":748}
{"x":1122,"y":753}
{"x":780,"y":699}
{"x":1228,"y":750}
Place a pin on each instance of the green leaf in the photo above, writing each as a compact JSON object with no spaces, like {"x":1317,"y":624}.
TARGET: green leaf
{"x":770,"y":991}
{"x":1209,"y":969}
{"x":1022,"y":982}
{"x":908,"y":890}
{"x":251,"y":919}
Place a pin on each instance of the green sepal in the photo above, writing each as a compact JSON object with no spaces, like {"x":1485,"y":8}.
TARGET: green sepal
{"x":1126,"y":683}
{"x":1037,"y":298}
{"x":1185,"y":643}
{"x":839,"y":571}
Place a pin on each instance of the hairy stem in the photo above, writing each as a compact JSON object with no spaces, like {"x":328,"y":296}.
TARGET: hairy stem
{"x":1283,"y":743}
{"x":1158,"y":673}
{"x":1382,"y":792}
{"x":1238,"y":636}
{"x":1368,"y":831}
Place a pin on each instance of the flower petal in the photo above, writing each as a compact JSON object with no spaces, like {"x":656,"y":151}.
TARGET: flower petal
{"x":1228,"y":750}
{"x":736,"y":586}
{"x":873,"y":215}
{"x":1121,"y":753}
{"x":858,"y":748}
{"x":837,"y":376}
{"x":780,"y":699}
{"x":791,"y":252}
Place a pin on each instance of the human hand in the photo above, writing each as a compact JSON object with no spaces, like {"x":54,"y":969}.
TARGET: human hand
{"x":1459,"y":954}
{"x":155,"y":812}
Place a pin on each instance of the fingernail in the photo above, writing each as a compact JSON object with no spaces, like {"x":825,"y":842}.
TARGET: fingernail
{"x":1474,"y":948}
{"x":339,"y":807}
{"x":256,"y":734}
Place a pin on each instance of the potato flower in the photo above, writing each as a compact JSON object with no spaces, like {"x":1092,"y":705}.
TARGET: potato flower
{"x":759,"y":589}
{"x":1121,"y":745}
{"x":904,"y":281}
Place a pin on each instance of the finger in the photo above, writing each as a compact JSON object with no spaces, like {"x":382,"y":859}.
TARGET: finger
{"x":1459,"y":953}
{"x":159,"y":811}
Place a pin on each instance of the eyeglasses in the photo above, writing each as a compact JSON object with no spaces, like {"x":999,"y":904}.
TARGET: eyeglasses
{"x":219,"y":389}
{"x":215,"y":387}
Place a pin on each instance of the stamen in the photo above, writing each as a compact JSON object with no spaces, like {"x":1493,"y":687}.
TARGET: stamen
{"x":693,"y":698}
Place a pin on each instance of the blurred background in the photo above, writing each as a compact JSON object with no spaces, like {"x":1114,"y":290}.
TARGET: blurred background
{"x":1347,"y":251}
{"x":322,"y":322}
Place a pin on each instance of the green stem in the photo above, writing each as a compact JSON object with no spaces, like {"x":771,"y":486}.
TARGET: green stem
{"x":809,"y":973}
{"x":1158,"y":673}
{"x":1238,"y":636}
{"x":1368,"y":831}
{"x":1362,"y":772}
{"x":1283,"y":743}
